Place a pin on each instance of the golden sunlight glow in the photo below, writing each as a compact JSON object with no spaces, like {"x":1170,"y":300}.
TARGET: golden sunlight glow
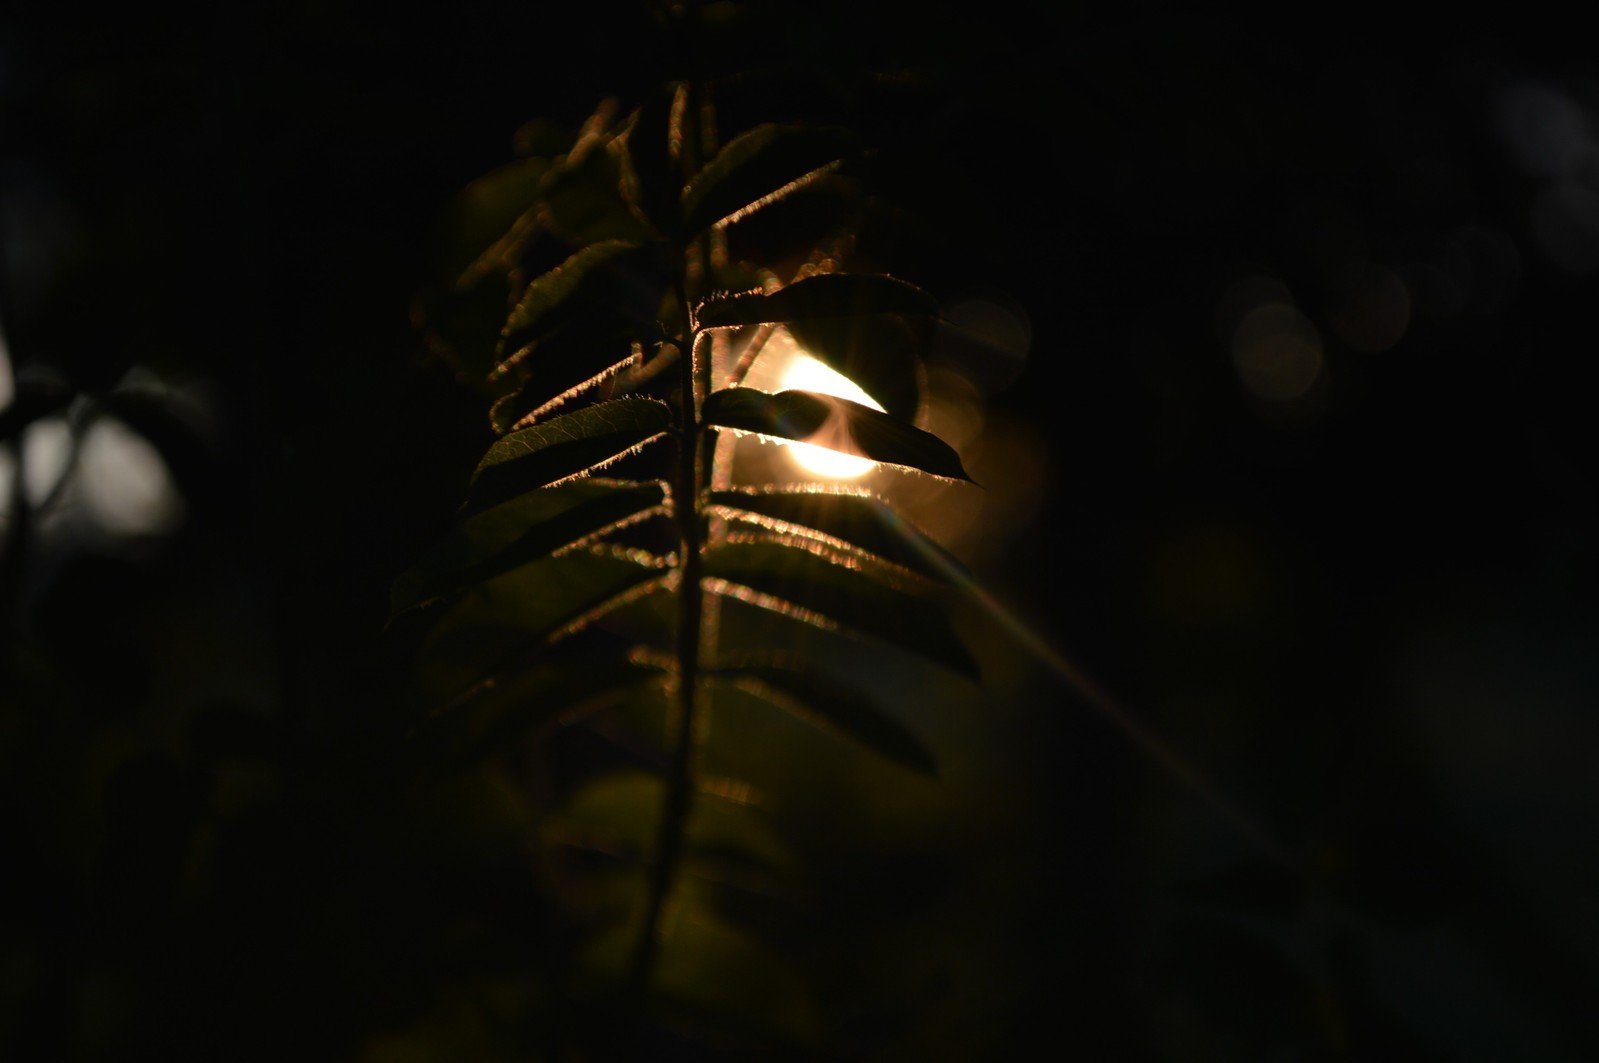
{"x":804,"y":373}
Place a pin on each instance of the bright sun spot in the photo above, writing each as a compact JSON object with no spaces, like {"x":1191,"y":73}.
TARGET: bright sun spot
{"x":805,"y":373}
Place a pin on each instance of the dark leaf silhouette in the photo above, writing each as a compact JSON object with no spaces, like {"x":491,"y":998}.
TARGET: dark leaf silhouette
{"x":605,"y":813}
{"x":565,"y":447}
{"x":530,"y":526}
{"x":853,"y":519}
{"x":834,"y":423}
{"x":827,"y":295}
{"x":757,"y":167}
{"x":616,"y":276}
{"x":648,"y":155}
{"x":582,"y":197}
{"x":504,"y":621}
{"x":522,"y":701}
{"x":486,"y":211}
{"x":718,"y":977}
{"x":798,"y":583}
{"x":463,"y":325}
{"x":574,"y":359}
{"x":819,"y":700}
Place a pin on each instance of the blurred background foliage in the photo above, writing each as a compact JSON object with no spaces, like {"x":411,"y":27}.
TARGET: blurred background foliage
{"x":1294,"y":467}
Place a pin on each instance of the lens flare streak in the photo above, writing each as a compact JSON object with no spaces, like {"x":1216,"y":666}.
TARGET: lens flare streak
{"x":1097,"y":698}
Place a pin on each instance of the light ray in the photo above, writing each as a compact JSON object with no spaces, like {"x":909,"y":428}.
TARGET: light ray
{"x":1098,"y":699}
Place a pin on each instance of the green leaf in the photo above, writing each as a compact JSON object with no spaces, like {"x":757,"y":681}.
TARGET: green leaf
{"x":614,"y":276}
{"x":574,"y":359}
{"x":503,"y":622}
{"x":758,"y":167}
{"x":528,"y":527}
{"x":725,"y":985}
{"x":799,"y":584}
{"x":819,"y":700}
{"x":620,"y":812}
{"x":485,"y":211}
{"x":848,"y":518}
{"x":584,"y":196}
{"x":834,"y":423}
{"x":827,"y":295}
{"x":564,"y":448}
{"x":646,"y":150}
{"x":533,"y":698}
{"x":739,"y":991}
{"x":462,"y":326}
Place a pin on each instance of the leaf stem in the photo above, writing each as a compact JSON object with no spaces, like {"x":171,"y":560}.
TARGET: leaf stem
{"x":693,"y":381}
{"x":690,"y":618}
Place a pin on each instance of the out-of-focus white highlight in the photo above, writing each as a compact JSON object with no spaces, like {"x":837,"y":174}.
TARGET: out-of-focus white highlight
{"x":804,"y":373}
{"x":126,"y":486}
{"x":46,"y":453}
{"x":8,"y":387}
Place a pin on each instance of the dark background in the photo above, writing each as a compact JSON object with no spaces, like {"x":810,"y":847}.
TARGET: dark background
{"x":1364,"y":614}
